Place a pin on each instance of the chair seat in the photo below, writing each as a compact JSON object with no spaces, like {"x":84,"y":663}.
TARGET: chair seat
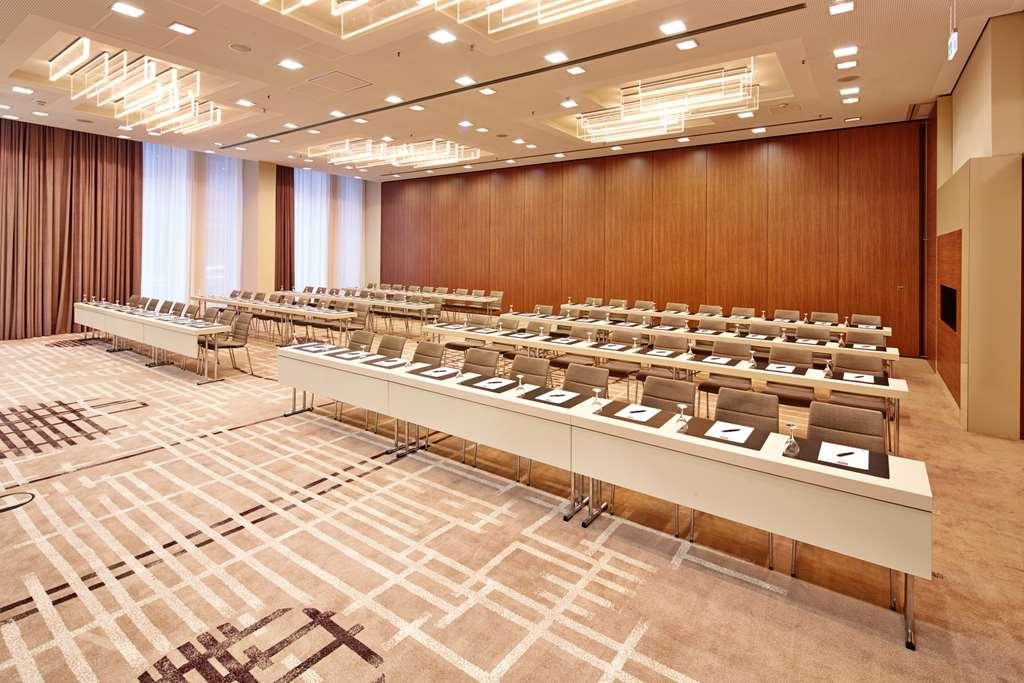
{"x":655,"y":371}
{"x":841,"y":398}
{"x":230,"y":344}
{"x":621,"y":368}
{"x":463,"y":344}
{"x":715,"y":382}
{"x":791,"y":395}
{"x":570,"y":359}
{"x":503,"y":349}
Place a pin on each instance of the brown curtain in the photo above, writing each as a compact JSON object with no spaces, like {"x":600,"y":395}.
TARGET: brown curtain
{"x":70,"y":224}
{"x":284,"y":249}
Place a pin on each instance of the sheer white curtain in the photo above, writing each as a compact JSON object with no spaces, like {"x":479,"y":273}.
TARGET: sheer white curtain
{"x":217,"y":264}
{"x":348,"y":245}
{"x":166,"y":221}
{"x":312,"y":227}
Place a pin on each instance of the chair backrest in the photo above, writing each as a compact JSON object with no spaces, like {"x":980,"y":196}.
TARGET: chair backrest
{"x":361,"y":340}
{"x":731,"y":349}
{"x":414,"y":288}
{"x":391,"y":346}
{"x":259,"y":296}
{"x":427,"y":290}
{"x":820,"y":317}
{"x":638,"y":317}
{"x":674,"y":320}
{"x":741,"y":311}
{"x":498,"y":293}
{"x":707,"y":324}
{"x":671,"y":341}
{"x":801,"y":358}
{"x":644,"y":305}
{"x":674,"y":306}
{"x":811,"y":332}
{"x":478,"y":320}
{"x":240,"y":328}
{"x":481,"y":361}
{"x":479,"y":292}
{"x":304,"y":300}
{"x":321,"y":290}
{"x":132,"y":300}
{"x":151,"y":306}
{"x":538,"y":326}
{"x":234,"y":293}
{"x":534,"y":370}
{"x":855,"y":362}
{"x":748,"y":408}
{"x":307,"y":290}
{"x":191,"y":310}
{"x":440,"y":290}
{"x":593,"y":301}
{"x":543,"y":309}
{"x":430,"y":353}
{"x":461,"y":291}
{"x":362,"y":310}
{"x":617,"y":302}
{"x":508,"y":322}
{"x":710,"y":309}
{"x":768,"y":329}
{"x":334,"y":291}
{"x":177,"y":308}
{"x":371,"y":285}
{"x":165,"y":307}
{"x":142,"y":302}
{"x":862,"y":319}
{"x":664,"y":393}
{"x":598,"y":315}
{"x":847,"y":426}
{"x":626,"y":337}
{"x":581,"y":332}
{"x":246,"y":295}
{"x":786,"y":314}
{"x":583,"y":379}
{"x":227,"y":316}
{"x":210,"y":315}
{"x":865,"y":337}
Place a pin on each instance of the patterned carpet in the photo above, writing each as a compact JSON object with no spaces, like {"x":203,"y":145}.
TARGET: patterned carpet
{"x":193,"y":533}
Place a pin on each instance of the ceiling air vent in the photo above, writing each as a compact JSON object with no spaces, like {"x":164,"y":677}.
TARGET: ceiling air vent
{"x":921,"y":110}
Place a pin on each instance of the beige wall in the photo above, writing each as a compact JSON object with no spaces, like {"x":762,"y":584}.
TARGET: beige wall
{"x":371,"y":236}
{"x":258,"y":225}
{"x":972,"y":106}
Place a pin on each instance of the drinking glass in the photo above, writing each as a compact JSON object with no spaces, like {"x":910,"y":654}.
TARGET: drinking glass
{"x":792,"y":447}
{"x":597,"y":394}
{"x":828,"y":368}
{"x":682,"y":417}
{"x":520,"y":378}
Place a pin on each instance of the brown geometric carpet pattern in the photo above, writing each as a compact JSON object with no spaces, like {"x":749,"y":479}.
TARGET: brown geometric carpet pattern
{"x":199,"y":535}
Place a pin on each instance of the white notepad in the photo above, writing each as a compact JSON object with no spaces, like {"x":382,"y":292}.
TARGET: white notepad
{"x":613,"y":347}
{"x":781,"y":367}
{"x":664,"y":327}
{"x":717,"y":360}
{"x":355,"y":355}
{"x":494,"y":383}
{"x":757,"y":336}
{"x":705,"y":331}
{"x":637,"y":413}
{"x":807,"y":341}
{"x":866,"y":327}
{"x":866,"y":347}
{"x":521,"y":335}
{"x":843,"y":455}
{"x":440,"y":372}
{"x":628,"y":324}
{"x":564,"y":340}
{"x":557,"y":396}
{"x":660,"y":352}
{"x":484,"y":330}
{"x":822,"y":322}
{"x":858,"y":377}
{"x":391,"y":362}
{"x":728,"y":431}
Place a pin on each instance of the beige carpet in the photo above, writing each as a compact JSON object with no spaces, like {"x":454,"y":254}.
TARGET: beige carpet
{"x":182,"y":532}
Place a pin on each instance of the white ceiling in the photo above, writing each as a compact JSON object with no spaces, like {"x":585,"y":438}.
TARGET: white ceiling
{"x":902,"y":61}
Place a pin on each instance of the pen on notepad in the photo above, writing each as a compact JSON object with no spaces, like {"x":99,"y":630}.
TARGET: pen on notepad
{"x":843,"y":455}
{"x":727,"y":431}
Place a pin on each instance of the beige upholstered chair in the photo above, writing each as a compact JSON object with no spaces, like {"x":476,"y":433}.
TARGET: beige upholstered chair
{"x":847,"y":426}
{"x":239,"y":339}
{"x":675,"y":306}
{"x":820,"y":317}
{"x":495,"y":306}
{"x":583,"y":379}
{"x":760,"y":411}
{"x":620,"y":369}
{"x":462,"y":345}
{"x":210,"y":315}
{"x":862,"y":319}
{"x":191,"y":310}
{"x":674,"y":320}
{"x":391,"y":346}
{"x":430,"y":353}
{"x":812,"y":332}
{"x":742,"y":311}
{"x":768,"y":329}
{"x":710,"y":309}
{"x":791,"y":394}
{"x":461,"y":291}
{"x":543,"y":309}
{"x":482,"y":362}
{"x":786,"y":314}
{"x":440,"y":290}
{"x":666,"y":394}
{"x":644,"y":305}
{"x":618,"y":302}
{"x":535,"y":371}
{"x":866,"y":365}
{"x":165,"y":307}
{"x":593,"y":301}
{"x":427,"y":290}
{"x":705,"y":345}
{"x":565,"y":360}
{"x":361,"y":340}
{"x":151,"y":306}
{"x":663,"y":341}
{"x":865,"y":337}
{"x":716,"y":382}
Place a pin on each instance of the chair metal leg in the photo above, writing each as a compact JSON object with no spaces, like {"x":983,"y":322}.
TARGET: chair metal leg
{"x":771,"y":550}
{"x":693,"y":520}
{"x":908,"y":611}
{"x":677,"y":520}
{"x":249,"y":358}
{"x":892,"y":590}
{"x":592,"y":511}
{"x":792,"y":561}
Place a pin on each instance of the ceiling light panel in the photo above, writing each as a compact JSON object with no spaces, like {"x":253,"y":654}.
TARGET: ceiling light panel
{"x":367,"y":153}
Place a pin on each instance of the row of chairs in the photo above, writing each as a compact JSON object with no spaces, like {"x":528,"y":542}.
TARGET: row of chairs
{"x":163,"y":308}
{"x":782,"y":314}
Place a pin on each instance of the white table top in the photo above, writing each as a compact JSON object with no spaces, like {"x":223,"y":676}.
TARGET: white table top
{"x":178,"y":324}
{"x":286,"y":309}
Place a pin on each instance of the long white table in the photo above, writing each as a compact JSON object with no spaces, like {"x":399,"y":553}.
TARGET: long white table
{"x":169,"y":333}
{"x":886,"y":521}
{"x":289,"y":312}
{"x":785,"y":324}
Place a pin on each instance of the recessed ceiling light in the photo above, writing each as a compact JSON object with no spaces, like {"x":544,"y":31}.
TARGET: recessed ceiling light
{"x":510,"y":161}
{"x":569,"y":103}
{"x":388,"y":138}
{"x":218,"y":144}
{"x":251,"y":136}
{"x":209,"y":151}
{"x":429,"y":171}
{"x":840,"y":7}
{"x":682,"y":139}
{"x":576,"y":70}
{"x":396,"y":175}
{"x":240,"y":149}
{"x":127,"y":10}
{"x":849,"y":91}
{"x":10,"y":117}
{"x":467,"y":166}
{"x":847,"y":65}
{"x":851,"y":100}
{"x":670,"y":28}
{"x":4,"y":106}
{"x":487,"y":91}
{"x":124,"y":127}
{"x":308,"y":161}
{"x":519,"y":141}
{"x":313,"y":131}
{"x":559,"y":155}
{"x":746,"y":115}
{"x":416,"y":107}
{"x":306,"y":168}
{"x":124,"y":137}
{"x":39,"y":113}
{"x":757,"y":131}
{"x":481,"y":129}
{"x":291,"y":156}
{"x":852,"y":119}
{"x":358,"y":177}
{"x":393,"y":99}
{"x":465,"y":80}
{"x":466,"y":124}
{"x":244,"y":103}
{"x":847,"y":51}
{"x":22,"y":90}
{"x":531,"y":146}
{"x":687,"y":44}
{"x":291,"y":126}
{"x":183,"y":29}
{"x":337,"y":114}
{"x":155,"y":134}
{"x":556,"y":57}
{"x":273,"y":140}
{"x":290,"y":64}
{"x":617,"y":148}
{"x":442,"y":36}
{"x":360,"y":120}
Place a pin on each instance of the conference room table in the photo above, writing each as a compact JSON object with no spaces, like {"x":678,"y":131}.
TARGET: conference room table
{"x":892,"y":389}
{"x":885,"y":353}
{"x":481,"y":302}
{"x":385,"y":306}
{"x":784,"y":323}
{"x":165,"y":332}
{"x":289,"y":312}
{"x":874,"y":507}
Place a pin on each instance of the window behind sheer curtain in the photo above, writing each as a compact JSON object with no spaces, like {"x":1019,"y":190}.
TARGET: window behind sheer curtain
{"x":348,"y":270}
{"x":166,"y":221}
{"x":219,"y":265}
{"x":312,"y":227}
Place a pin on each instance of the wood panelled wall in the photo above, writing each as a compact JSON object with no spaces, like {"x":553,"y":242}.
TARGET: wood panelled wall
{"x":823,"y":221}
